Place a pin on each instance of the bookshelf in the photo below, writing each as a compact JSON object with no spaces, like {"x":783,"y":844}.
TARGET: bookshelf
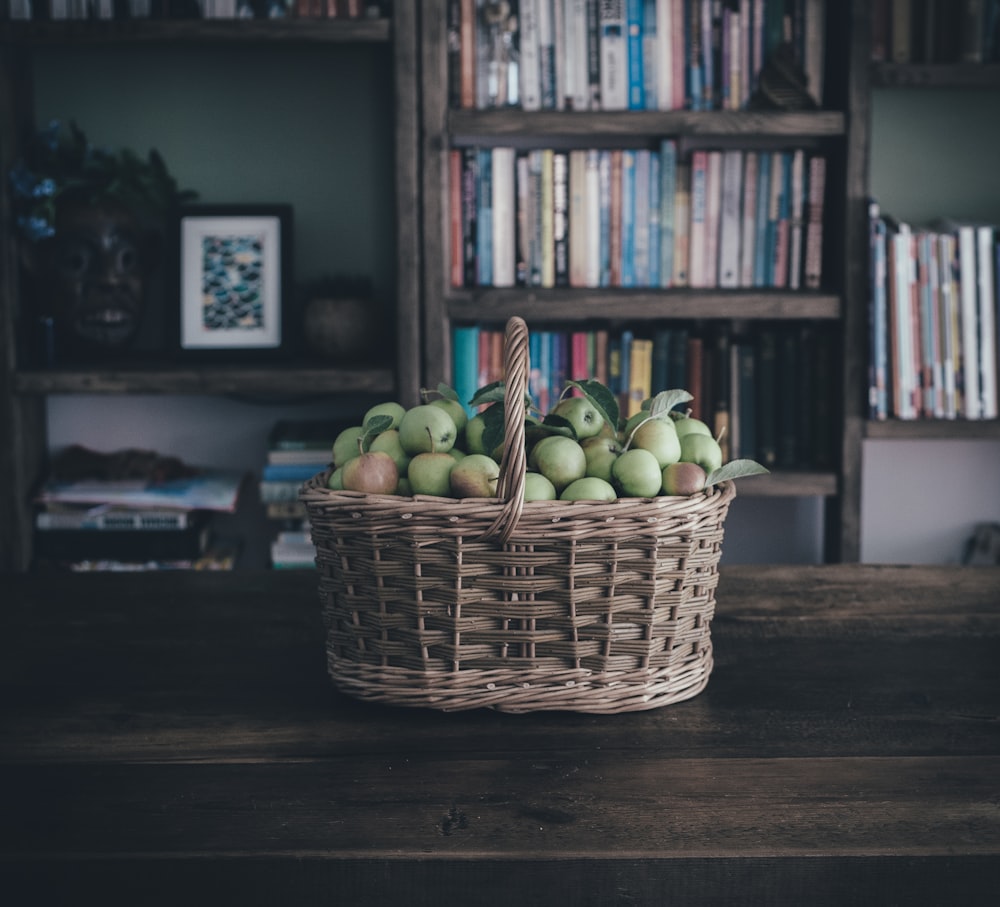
{"x":832,"y":131}
{"x":23,"y":389}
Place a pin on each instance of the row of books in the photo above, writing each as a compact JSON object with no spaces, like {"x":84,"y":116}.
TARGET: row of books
{"x":933,"y":312}
{"x":55,"y":10}
{"x":636,"y":217}
{"x":625,"y":54}
{"x":936,"y":31}
{"x":767,"y":390}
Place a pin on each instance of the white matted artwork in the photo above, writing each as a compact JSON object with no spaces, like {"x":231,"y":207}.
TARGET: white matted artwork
{"x":233,"y":278}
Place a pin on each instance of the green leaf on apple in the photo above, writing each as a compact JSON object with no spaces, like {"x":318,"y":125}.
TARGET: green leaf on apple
{"x":601,"y":397}
{"x":488,"y":393}
{"x":735,"y":469}
{"x":376,"y":425}
{"x":493,"y":417}
{"x":557,"y":425}
{"x":665,"y":401}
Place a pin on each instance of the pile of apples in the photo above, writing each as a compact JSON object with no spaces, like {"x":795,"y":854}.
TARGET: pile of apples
{"x":582,"y":450}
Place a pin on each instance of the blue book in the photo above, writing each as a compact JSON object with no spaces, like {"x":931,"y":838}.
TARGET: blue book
{"x":465,"y":363}
{"x":484,"y":218}
{"x":293,"y":472}
{"x":668,"y":191}
{"x":535,"y":366}
{"x":636,"y":67}
{"x":628,"y":218}
{"x":545,"y":370}
{"x":695,"y":77}
{"x":763,"y":199}
{"x":653,"y":277}
{"x":604,"y":184}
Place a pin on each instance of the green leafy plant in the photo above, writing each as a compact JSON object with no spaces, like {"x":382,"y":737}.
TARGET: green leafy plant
{"x":60,"y":165}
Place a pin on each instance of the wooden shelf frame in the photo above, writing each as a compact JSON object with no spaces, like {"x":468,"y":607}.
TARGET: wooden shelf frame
{"x":22,"y":391}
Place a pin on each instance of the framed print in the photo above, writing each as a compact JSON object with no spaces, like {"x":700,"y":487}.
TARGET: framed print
{"x":234,"y":278}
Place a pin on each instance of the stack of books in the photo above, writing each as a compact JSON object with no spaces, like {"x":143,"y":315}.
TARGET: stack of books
{"x":296,"y":451}
{"x":135,"y":524}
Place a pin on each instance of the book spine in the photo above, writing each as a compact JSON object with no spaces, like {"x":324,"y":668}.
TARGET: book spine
{"x":547,"y":210}
{"x":504,"y":208}
{"x":797,"y":220}
{"x":578,"y":217}
{"x":682,"y":225}
{"x":987,"y":299}
{"x":653,"y":197}
{"x":547,"y":55}
{"x":529,"y":68}
{"x":455,"y":219}
{"x":592,"y":241}
{"x":467,"y":54}
{"x":713,"y":217}
{"x":664,"y":54}
{"x":560,"y":218}
{"x":614,"y":55}
{"x":695,"y":74}
{"x":593,"y":55}
{"x":668,"y":213}
{"x":627,"y":276}
{"x":465,"y":363}
{"x":576,"y":63}
{"x":814,"y":223}
{"x":761,"y":218}
{"x":748,"y":227}
{"x":634,"y":55}
{"x":730,"y":219}
{"x":484,"y":218}
{"x":524,"y":219}
{"x":615,"y":219}
{"x":470,"y":180}
{"x":640,"y":373}
{"x":699,"y":210}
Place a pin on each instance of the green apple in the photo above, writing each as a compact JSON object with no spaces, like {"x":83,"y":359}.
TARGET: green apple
{"x":585,"y":418}
{"x":589,"y":488}
{"x":429,"y":473}
{"x":634,"y":420}
{"x":335,"y":481}
{"x":659,"y":437}
{"x":601,"y":452}
{"x":345,"y":445}
{"x":459,"y":414}
{"x":701,"y":449}
{"x":388,"y":441}
{"x":373,"y":473}
{"x":426,"y":427}
{"x":637,"y":474}
{"x":538,"y":488}
{"x":559,"y":459}
{"x":390,"y":408}
{"x":456,"y":454}
{"x":690,"y":425}
{"x":683,"y":478}
{"x":474,"y":429}
{"x":475,"y":476}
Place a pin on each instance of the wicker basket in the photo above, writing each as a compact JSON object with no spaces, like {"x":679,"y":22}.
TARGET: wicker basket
{"x":458,"y":604}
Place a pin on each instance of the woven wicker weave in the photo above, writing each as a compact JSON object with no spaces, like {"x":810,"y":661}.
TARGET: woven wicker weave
{"x":456,"y":604}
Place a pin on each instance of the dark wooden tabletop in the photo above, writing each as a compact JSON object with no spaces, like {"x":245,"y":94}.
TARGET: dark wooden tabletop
{"x":173,"y":738}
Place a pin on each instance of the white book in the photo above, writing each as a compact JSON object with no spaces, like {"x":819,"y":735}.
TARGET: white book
{"x":530,"y":87}
{"x":713,"y":218}
{"x":698,"y":214}
{"x":575,"y":57}
{"x":577,"y":217}
{"x":730,"y":219}
{"x":664,"y":55}
{"x":986,"y":285}
{"x":504,"y":206}
{"x":967,"y":288}
{"x":592,"y":195}
{"x":614,"y":55}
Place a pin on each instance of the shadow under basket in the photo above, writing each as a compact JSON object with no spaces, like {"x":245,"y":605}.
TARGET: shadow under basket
{"x":580,"y":606}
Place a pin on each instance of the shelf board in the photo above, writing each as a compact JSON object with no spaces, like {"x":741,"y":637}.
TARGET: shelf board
{"x":791,"y":483}
{"x":574,"y":304}
{"x":603,"y":125}
{"x":258,"y":381}
{"x":87,"y":31}
{"x":935,"y":75}
{"x":934,"y":430}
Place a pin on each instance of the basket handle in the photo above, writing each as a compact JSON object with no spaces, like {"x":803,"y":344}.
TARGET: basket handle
{"x":514,"y":462}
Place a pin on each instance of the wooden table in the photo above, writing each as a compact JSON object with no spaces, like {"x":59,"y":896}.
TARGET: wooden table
{"x":173,"y":738}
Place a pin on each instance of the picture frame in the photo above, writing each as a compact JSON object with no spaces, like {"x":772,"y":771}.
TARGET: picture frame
{"x":234,"y":280}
